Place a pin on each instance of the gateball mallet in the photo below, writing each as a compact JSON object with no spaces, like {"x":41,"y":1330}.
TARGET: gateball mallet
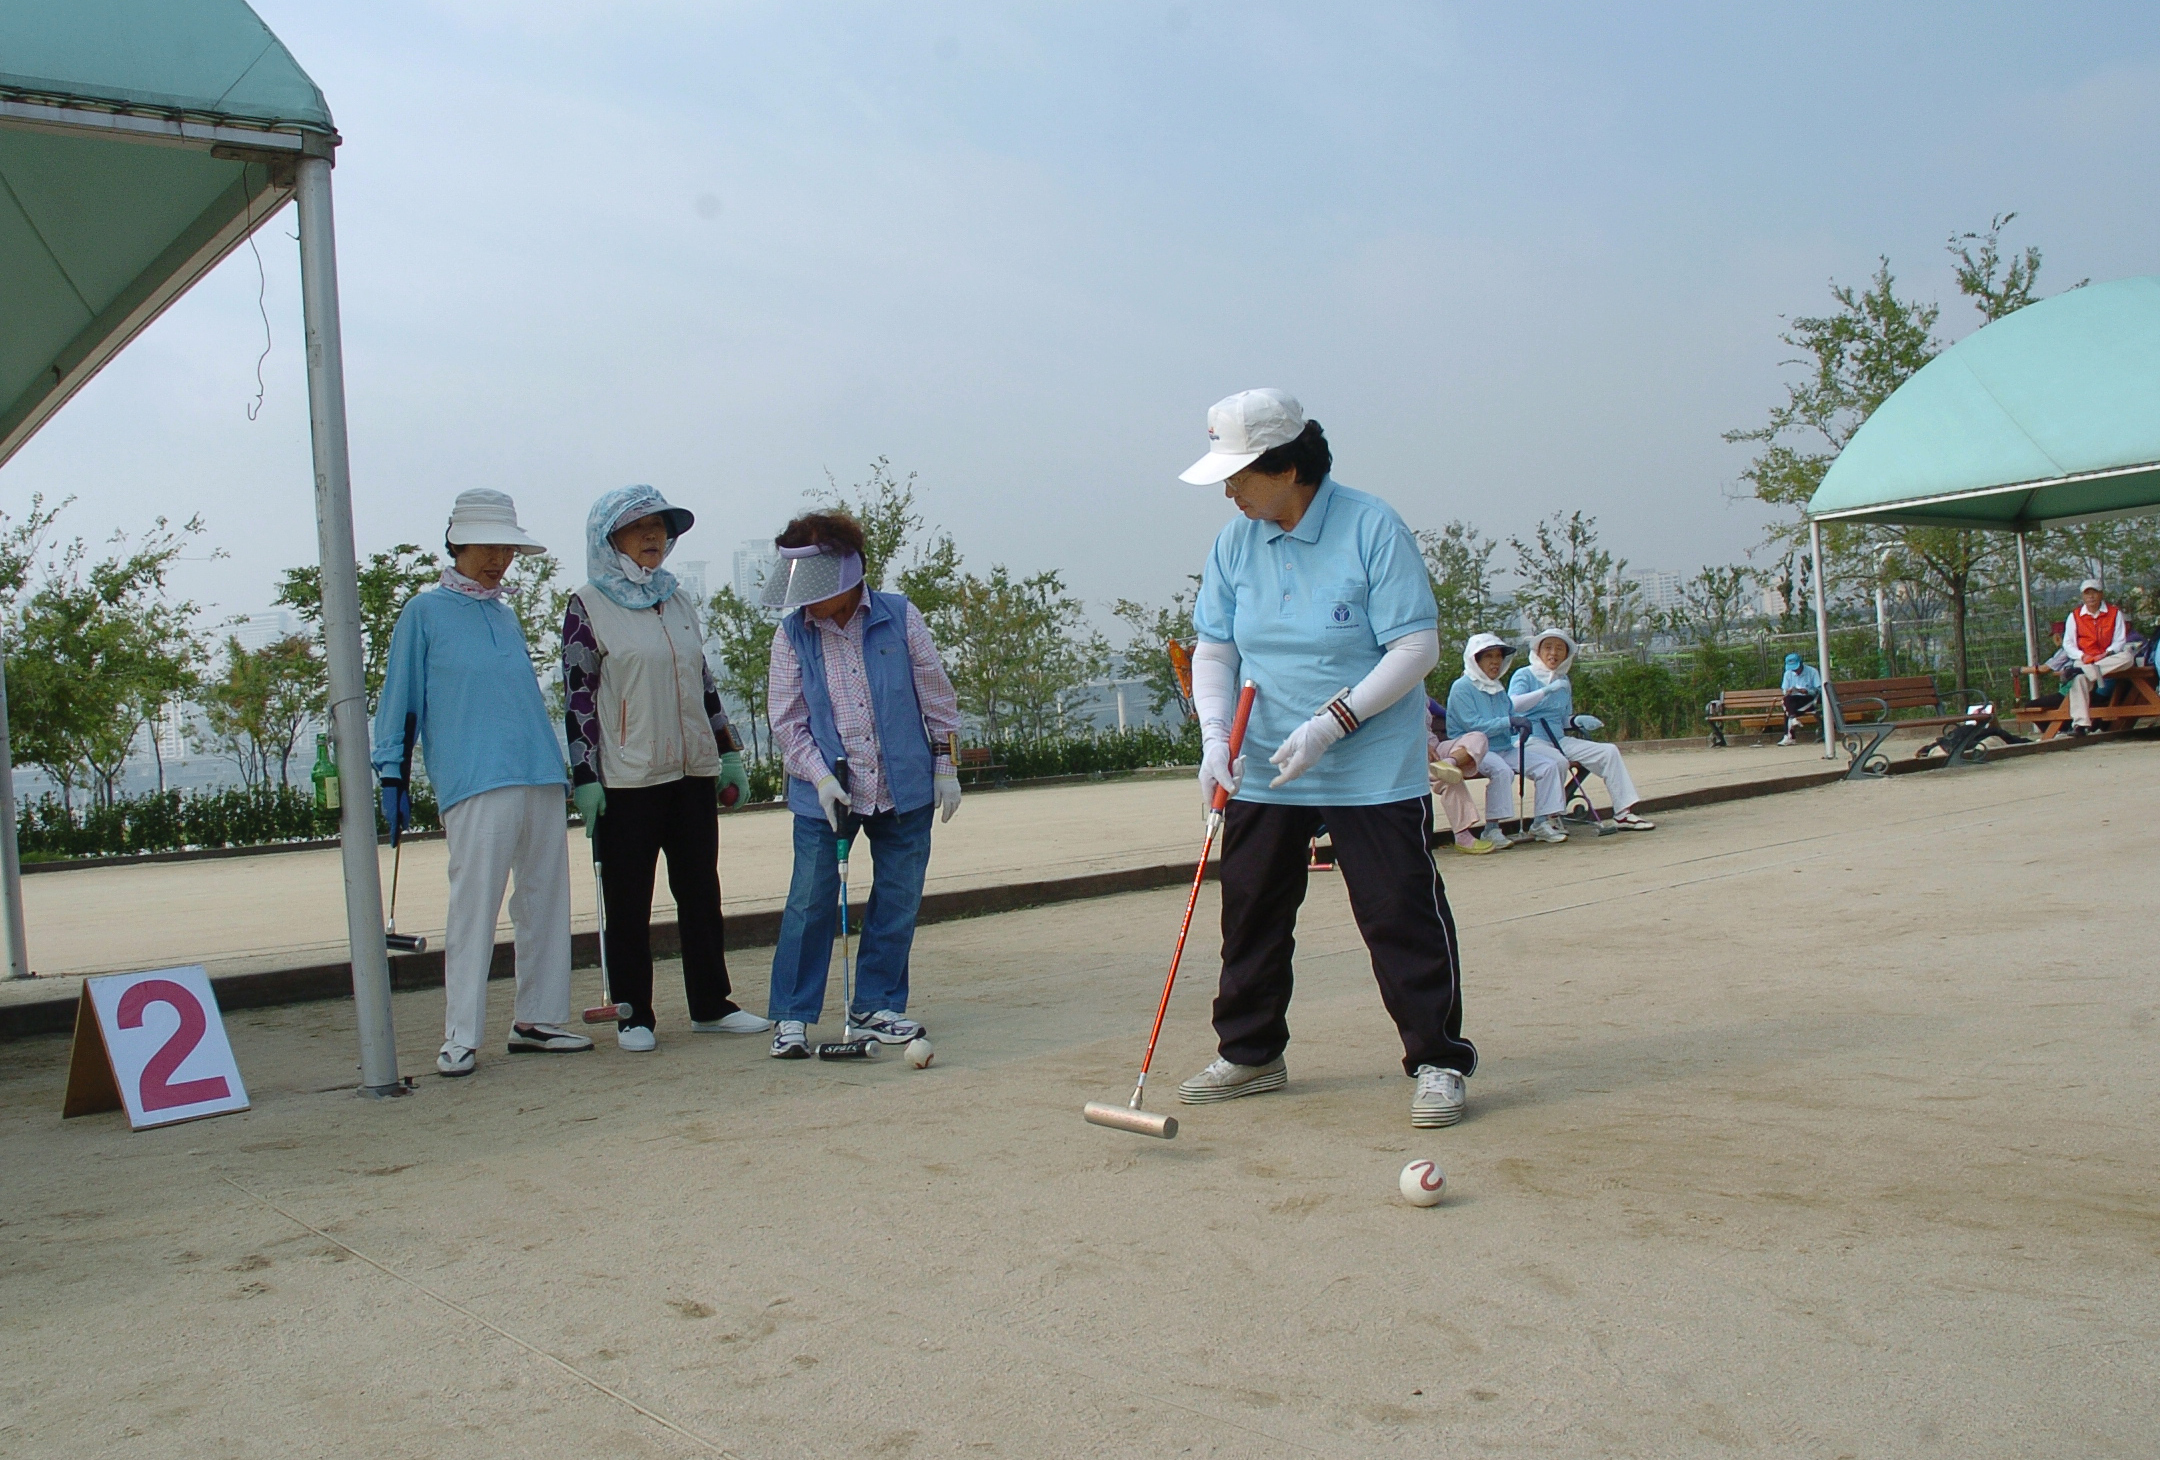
{"x":393,"y":940}
{"x":845,"y":1049}
{"x":1130,"y":1116}
{"x":601,"y":1013}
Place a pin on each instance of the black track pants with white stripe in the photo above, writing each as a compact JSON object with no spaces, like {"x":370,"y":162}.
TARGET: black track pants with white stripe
{"x":1384,"y":857}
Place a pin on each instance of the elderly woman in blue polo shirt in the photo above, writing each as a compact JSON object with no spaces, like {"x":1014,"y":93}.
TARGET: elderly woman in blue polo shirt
{"x":1318,"y":595}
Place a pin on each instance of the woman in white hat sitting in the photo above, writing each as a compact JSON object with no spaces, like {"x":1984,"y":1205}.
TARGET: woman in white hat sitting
{"x":460,"y":686}
{"x":1544,"y":697}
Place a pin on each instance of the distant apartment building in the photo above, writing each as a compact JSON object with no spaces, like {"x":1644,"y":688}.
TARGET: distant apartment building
{"x":753,"y":560}
{"x":261,"y":630}
{"x":1658,"y":588}
{"x":691,"y":575}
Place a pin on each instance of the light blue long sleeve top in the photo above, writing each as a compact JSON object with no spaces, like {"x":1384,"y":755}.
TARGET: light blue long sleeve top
{"x":460,"y":666}
{"x":1470,"y":708}
{"x":1806,"y":677}
{"x":1549,"y":714}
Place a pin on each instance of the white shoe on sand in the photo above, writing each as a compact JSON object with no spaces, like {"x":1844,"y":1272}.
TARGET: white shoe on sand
{"x":637,"y":1039}
{"x":1222,"y":1080}
{"x":1439,"y":1099}
{"x":742,"y":1021}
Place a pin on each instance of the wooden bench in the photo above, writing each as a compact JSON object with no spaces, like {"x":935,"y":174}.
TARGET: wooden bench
{"x":2136,"y":697}
{"x":1862,"y":712}
{"x":1759,"y":710}
{"x":974,"y":762}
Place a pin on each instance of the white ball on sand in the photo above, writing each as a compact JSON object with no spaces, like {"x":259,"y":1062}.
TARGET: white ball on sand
{"x":1423,"y":1183}
{"x":919,"y":1053}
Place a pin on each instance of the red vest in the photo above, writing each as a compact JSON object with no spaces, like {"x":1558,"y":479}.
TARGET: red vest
{"x":2095,"y":632}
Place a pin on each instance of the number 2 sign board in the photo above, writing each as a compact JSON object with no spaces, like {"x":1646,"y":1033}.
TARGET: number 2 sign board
{"x":155,"y":1044}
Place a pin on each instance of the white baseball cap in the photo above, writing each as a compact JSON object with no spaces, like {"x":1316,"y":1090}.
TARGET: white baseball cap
{"x":485,"y":516}
{"x":1242,"y":427}
{"x":2093,"y":584}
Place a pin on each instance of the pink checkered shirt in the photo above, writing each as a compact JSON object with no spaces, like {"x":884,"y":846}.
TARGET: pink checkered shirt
{"x":847,"y":684}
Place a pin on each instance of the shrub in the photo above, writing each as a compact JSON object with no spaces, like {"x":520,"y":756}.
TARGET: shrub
{"x":172,"y":821}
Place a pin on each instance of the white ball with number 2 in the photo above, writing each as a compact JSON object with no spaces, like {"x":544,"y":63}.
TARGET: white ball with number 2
{"x":1423,"y":1183}
{"x":919,"y":1053}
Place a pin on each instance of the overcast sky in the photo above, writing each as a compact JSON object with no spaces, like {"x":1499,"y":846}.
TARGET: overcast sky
{"x":1518,"y":259}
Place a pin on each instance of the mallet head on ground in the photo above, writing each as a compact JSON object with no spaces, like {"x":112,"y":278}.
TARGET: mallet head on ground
{"x":853,"y":1049}
{"x":1124,"y":1117}
{"x":602,"y":1013}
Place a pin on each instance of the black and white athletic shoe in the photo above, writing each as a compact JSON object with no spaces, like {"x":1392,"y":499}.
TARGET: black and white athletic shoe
{"x":455,"y":1060}
{"x":545,"y":1039}
{"x":791,"y":1041}
{"x":884,"y":1026}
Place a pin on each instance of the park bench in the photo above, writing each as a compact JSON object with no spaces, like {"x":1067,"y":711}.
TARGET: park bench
{"x":1861,"y":720}
{"x":975,"y":762}
{"x":2135,"y":698}
{"x":1758,"y":710}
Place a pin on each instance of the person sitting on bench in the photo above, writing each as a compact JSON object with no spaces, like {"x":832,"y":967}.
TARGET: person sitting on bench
{"x":1479,"y":701}
{"x":1544,"y":696}
{"x":2095,"y":644}
{"x":1803,"y":693}
{"x":1451,"y":761}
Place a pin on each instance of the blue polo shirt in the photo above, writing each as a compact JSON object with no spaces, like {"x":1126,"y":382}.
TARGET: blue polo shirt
{"x":1310,"y":611}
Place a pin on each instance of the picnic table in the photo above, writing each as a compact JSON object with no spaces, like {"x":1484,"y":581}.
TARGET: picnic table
{"x":2136,"y":697}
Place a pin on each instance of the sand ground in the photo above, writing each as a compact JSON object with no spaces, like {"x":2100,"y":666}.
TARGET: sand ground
{"x":242,"y":913}
{"x":1810,"y":1126}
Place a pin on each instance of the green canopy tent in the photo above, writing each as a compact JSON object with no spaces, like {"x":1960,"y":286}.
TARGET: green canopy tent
{"x":2047,"y":416}
{"x":140,"y":142}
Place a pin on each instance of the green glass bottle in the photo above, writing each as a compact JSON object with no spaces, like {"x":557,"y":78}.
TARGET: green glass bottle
{"x":325,"y":776}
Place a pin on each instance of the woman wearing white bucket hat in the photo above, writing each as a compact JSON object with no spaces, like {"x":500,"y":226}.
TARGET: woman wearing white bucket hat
{"x":460,"y":686}
{"x":1318,"y":594}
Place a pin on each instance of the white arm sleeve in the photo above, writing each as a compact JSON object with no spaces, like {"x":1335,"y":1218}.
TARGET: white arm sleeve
{"x":1529,"y":699}
{"x":1401,"y":669}
{"x":1214,"y":687}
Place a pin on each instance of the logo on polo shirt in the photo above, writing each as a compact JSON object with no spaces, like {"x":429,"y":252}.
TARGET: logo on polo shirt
{"x":1342,"y":615}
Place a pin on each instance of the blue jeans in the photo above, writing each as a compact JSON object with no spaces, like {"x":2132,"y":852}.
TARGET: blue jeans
{"x":900,"y":843}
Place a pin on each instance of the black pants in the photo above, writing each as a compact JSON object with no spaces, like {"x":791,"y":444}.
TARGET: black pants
{"x":680,"y":818}
{"x":1384,"y":856}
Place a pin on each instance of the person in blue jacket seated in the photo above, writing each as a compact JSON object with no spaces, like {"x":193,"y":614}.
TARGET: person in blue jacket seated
{"x":1479,"y":701}
{"x":1545,"y":698}
{"x":460,"y":683}
{"x":1803,"y":693}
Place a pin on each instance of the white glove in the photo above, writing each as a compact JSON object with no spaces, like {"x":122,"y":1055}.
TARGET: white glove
{"x":946,"y":787}
{"x":1216,"y":769}
{"x":832,"y":798}
{"x":1589,"y":724}
{"x":1304,"y":747}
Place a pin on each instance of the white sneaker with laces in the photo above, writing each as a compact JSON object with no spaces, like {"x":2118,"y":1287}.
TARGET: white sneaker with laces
{"x":637,"y":1039}
{"x":885,"y":1026}
{"x":1547,"y":830}
{"x":1788,"y":740}
{"x":791,"y":1040}
{"x":1439,"y":1098}
{"x":742,"y":1021}
{"x":1222,"y":1080}
{"x":1629,"y":821}
{"x":455,"y":1060}
{"x":546,"y":1039}
{"x":1497,"y":839}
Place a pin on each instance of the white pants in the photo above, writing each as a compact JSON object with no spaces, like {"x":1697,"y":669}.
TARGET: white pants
{"x":1547,"y":773}
{"x":1603,"y":761}
{"x":2080,"y":690}
{"x":512,"y":829}
{"x":1547,"y":769}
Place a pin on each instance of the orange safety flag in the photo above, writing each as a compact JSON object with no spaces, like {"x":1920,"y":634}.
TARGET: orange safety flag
{"x":1181,"y":665}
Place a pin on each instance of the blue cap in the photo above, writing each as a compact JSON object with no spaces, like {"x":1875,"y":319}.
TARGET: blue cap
{"x":1793,"y":661}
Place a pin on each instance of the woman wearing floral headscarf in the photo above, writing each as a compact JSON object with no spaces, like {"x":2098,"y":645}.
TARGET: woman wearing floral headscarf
{"x":651,"y":756}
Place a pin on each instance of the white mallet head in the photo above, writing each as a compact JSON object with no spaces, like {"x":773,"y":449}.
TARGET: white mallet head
{"x":919,"y":1053}
{"x":1423,"y":1183}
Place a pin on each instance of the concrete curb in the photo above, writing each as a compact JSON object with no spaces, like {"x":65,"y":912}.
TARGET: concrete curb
{"x":761,"y":929}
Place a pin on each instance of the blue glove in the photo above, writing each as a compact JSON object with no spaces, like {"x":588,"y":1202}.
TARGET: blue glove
{"x":396,"y":806}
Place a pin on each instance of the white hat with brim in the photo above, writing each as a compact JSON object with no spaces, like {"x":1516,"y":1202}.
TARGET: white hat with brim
{"x":2093,"y":584}
{"x":1241,"y":429}
{"x":484,"y":517}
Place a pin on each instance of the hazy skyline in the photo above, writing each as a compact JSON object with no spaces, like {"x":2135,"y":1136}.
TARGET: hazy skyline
{"x":1518,"y":261}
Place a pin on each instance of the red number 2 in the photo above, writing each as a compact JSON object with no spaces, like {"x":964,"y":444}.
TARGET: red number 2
{"x":156,"y":1089}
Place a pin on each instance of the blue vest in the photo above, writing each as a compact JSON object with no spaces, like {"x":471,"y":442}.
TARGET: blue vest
{"x":902,"y":742}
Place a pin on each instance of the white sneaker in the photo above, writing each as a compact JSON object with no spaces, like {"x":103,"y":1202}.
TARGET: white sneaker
{"x":742,"y":1021}
{"x":1629,"y":821}
{"x":884,"y":1026}
{"x":1222,"y":1080}
{"x":791,"y":1041}
{"x":1497,"y":839}
{"x":455,"y":1060}
{"x":1439,"y":1098}
{"x":637,"y":1039}
{"x":1547,"y":830}
{"x":1788,"y":740}
{"x":546,"y":1039}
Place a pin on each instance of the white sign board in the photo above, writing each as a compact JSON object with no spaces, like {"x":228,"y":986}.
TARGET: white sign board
{"x":155,"y":1044}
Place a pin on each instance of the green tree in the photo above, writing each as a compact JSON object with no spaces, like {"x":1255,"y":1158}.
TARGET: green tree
{"x":743,"y":633}
{"x":1568,"y":581}
{"x":98,"y":650}
{"x":388,"y":580}
{"x":257,"y":709}
{"x":1458,"y":560}
{"x":1154,"y":628}
{"x":1712,"y":604}
{"x":884,"y":507}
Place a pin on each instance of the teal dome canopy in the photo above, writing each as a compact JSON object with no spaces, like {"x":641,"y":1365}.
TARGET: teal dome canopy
{"x":2051,"y":414}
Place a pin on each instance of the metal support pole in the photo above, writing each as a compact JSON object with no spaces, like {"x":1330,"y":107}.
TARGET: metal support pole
{"x":2032,"y":649}
{"x":1882,"y":606}
{"x":11,"y":908}
{"x":341,"y":631}
{"x":1822,"y":640}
